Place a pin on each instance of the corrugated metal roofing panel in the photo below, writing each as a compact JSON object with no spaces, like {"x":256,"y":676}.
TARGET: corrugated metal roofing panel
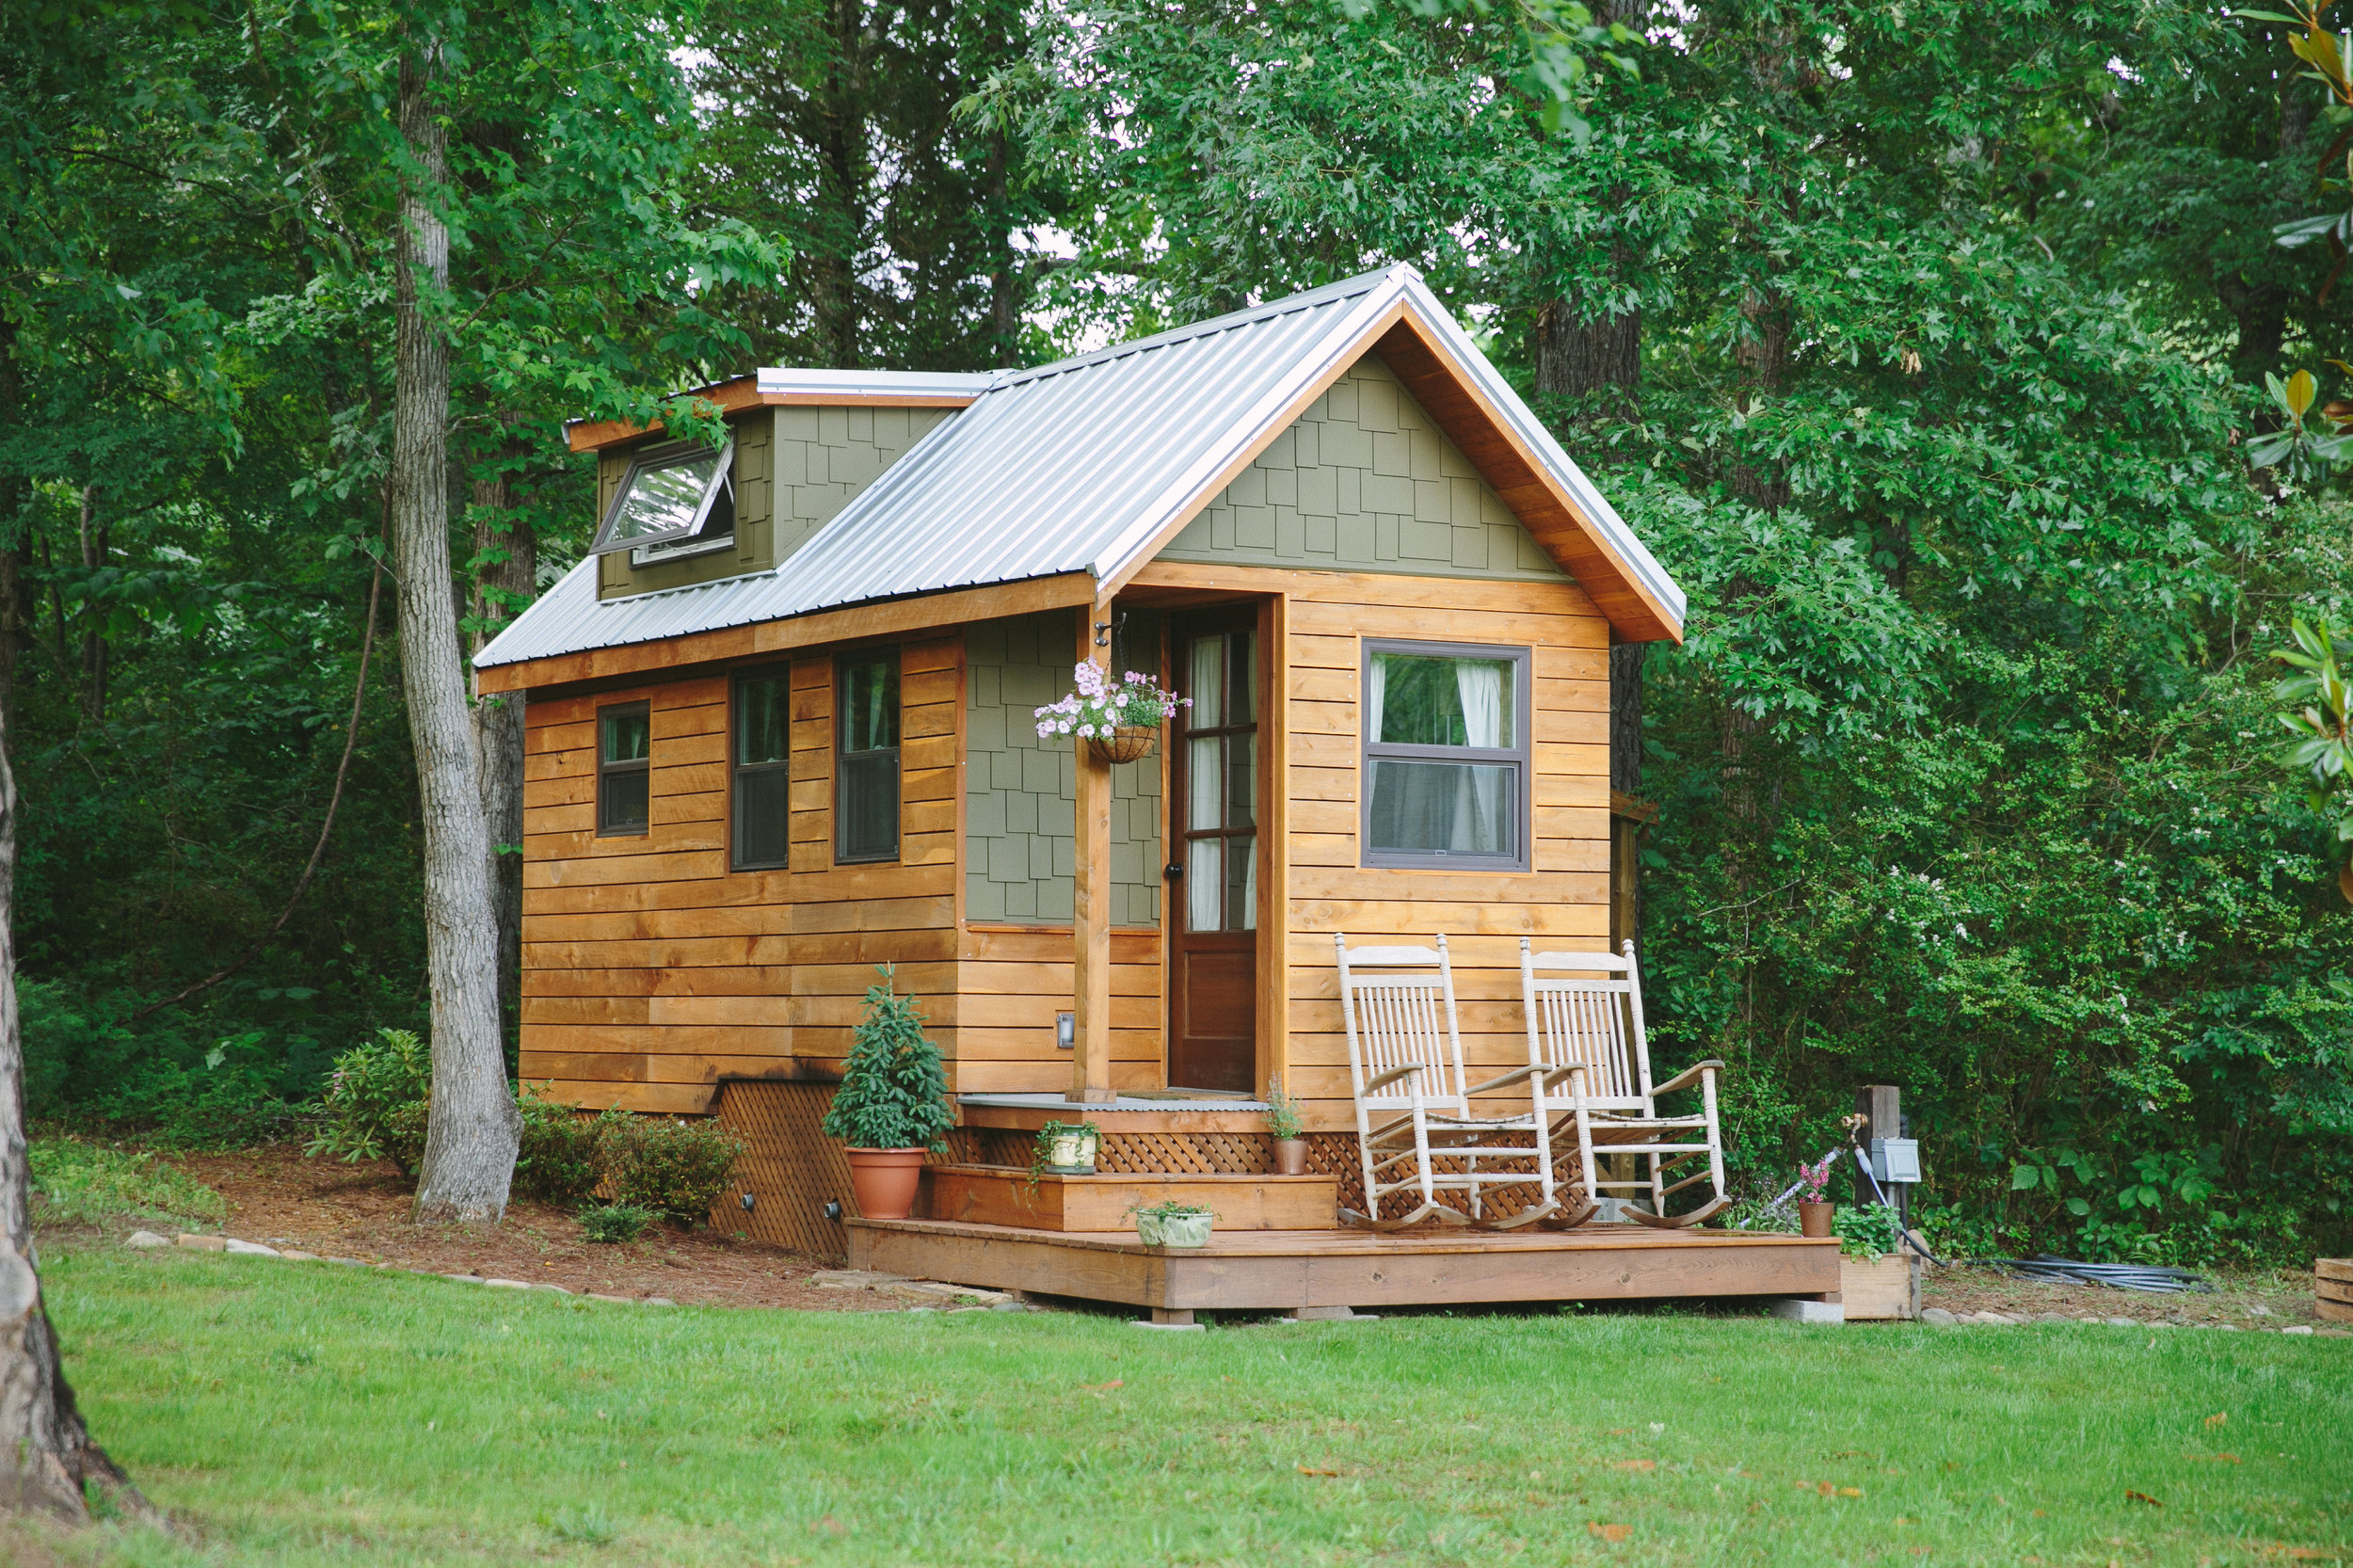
{"x":1076,"y":465}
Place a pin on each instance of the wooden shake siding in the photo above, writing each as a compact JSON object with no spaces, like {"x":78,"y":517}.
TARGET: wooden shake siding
{"x":1564,"y":899}
{"x":650,"y":969}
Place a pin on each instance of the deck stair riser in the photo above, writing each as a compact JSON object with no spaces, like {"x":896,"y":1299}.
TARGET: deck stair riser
{"x":1001,"y":1195}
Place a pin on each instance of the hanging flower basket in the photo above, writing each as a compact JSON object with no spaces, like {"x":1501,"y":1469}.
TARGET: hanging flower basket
{"x":1128,"y":743}
{"x":1119,"y":720}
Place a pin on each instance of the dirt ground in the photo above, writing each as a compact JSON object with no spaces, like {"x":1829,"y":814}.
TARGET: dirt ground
{"x":277,"y":1196}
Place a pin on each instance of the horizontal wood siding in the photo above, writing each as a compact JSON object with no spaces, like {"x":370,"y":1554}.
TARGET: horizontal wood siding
{"x":1012,"y":980}
{"x":650,"y":969}
{"x":1564,"y":899}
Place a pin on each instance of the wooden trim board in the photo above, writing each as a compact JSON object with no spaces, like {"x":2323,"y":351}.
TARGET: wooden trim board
{"x":999,"y":1195}
{"x":1285,"y":1271}
{"x":1029,"y":1118}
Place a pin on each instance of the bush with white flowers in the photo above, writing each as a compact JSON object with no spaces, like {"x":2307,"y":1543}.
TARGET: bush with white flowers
{"x":1101,"y":707}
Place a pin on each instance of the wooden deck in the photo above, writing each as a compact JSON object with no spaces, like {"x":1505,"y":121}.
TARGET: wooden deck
{"x":1319,"y":1270}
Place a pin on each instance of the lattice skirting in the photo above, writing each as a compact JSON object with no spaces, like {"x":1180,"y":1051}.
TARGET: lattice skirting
{"x":795,"y":1170}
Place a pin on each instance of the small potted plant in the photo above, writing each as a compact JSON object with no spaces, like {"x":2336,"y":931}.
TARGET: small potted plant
{"x":1815,"y":1214}
{"x":1282,"y":1120}
{"x":1174,"y":1224}
{"x":1066,"y":1148}
{"x":892,"y":1104}
{"x":1118,"y":719}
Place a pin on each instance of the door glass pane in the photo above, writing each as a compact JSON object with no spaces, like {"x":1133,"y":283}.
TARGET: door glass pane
{"x":1205,"y":884}
{"x":1241,"y":780}
{"x":1203,"y":806}
{"x":1206,"y":687}
{"x":624,"y":735}
{"x":1241,"y":883}
{"x":1443,"y":807}
{"x":1241,"y":671}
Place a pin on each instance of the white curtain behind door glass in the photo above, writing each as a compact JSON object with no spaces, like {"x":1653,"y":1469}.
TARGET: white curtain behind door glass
{"x":1479,"y":796}
{"x":1376,"y":696}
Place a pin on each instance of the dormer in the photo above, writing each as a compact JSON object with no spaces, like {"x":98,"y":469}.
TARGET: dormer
{"x":802,"y":445}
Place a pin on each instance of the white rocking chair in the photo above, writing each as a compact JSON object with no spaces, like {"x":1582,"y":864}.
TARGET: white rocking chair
{"x":1405,"y":1066}
{"x":1585,"y":1026}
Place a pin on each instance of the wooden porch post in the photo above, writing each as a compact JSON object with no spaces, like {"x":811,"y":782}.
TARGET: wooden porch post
{"x":1090,"y":898}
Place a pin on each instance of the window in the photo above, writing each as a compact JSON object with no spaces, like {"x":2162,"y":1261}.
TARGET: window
{"x":672,"y":497}
{"x":1446,"y":756}
{"x":865,"y":768}
{"x":624,"y":757}
{"x":1219,"y":780}
{"x":763,"y":768}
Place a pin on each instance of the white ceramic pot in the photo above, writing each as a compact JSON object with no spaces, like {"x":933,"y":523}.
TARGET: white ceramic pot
{"x":1186,"y":1230}
{"x":1148,"y":1230}
{"x":1069,"y":1152}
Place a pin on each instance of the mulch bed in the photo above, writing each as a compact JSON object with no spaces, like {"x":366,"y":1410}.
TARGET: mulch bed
{"x":361,"y":1210}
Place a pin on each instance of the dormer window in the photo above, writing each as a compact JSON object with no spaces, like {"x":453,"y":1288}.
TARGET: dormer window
{"x":676,"y":500}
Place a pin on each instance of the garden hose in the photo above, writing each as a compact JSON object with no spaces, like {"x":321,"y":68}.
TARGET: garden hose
{"x":2119,"y":1276}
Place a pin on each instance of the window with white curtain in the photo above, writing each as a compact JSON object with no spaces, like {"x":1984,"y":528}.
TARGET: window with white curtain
{"x":1445,"y":756}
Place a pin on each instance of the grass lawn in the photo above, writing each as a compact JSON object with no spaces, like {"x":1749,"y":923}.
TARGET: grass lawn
{"x":303,"y":1413}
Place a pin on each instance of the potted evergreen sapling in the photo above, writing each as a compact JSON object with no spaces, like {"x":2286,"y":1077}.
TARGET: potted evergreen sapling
{"x":893,"y":1106}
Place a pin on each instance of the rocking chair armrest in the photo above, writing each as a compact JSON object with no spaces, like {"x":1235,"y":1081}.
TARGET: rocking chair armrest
{"x":1517,"y":1075}
{"x":1689,"y":1076}
{"x":1389,"y":1078}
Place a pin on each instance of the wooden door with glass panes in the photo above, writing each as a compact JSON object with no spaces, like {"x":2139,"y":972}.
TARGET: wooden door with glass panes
{"x":1214,"y":870}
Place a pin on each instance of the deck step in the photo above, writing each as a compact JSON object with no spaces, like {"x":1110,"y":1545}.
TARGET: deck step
{"x":1003,"y":1195}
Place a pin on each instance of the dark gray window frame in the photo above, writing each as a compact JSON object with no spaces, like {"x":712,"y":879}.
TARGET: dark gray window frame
{"x":871,"y":654}
{"x":737,"y":767}
{"x":1522,"y":757}
{"x":636,"y":765}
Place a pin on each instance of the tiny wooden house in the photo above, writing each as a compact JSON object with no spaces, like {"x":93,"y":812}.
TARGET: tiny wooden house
{"x":781,"y":730}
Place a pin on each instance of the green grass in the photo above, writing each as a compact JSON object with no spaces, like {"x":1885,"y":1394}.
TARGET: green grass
{"x":94,"y":1184}
{"x":308,"y":1413}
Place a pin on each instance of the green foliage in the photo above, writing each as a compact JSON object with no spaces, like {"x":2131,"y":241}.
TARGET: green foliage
{"x":80,"y":1182}
{"x":1282,"y":1111}
{"x":894,"y":1089}
{"x":560,"y":1158}
{"x":674,"y":1168}
{"x":375,"y":1103}
{"x":1868,"y":1230}
{"x":616,"y":1223}
{"x":2323,"y":728}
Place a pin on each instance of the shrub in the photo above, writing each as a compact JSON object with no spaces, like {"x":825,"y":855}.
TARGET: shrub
{"x":677,"y":1169}
{"x":83,"y":1183}
{"x":561,"y":1159}
{"x":619,"y":1221}
{"x":894,"y":1091}
{"x":374,"y":1102}
{"x":1868,"y":1230}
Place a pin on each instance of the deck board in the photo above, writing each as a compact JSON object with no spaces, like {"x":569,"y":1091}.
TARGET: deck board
{"x":1287,"y":1270}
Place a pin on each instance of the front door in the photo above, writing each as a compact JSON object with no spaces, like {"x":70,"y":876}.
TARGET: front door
{"x":1213,"y":983}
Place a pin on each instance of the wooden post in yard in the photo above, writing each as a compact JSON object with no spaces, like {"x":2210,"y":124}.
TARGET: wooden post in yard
{"x":1091,"y":896}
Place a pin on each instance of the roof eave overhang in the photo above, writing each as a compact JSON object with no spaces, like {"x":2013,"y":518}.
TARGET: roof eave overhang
{"x":743,"y":393}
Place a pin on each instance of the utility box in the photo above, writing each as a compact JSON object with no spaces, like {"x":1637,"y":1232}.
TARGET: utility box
{"x":1895,"y":1160}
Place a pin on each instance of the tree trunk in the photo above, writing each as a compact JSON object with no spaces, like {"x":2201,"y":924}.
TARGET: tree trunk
{"x":1574,"y":358}
{"x":47,"y":1461}
{"x":501,"y":587}
{"x":471,"y":1135}
{"x":93,"y":537}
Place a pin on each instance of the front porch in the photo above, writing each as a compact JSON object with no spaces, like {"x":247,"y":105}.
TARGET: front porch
{"x":1326,"y":1272}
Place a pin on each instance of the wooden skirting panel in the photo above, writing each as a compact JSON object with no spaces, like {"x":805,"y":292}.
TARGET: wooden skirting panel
{"x":791,"y":1168}
{"x":1283,"y":1271}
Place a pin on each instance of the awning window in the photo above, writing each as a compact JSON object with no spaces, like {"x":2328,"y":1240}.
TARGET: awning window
{"x":666,"y":495}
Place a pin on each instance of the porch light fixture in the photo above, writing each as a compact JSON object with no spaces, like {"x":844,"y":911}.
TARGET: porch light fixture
{"x":1066,"y":1030}
{"x":666,"y":495}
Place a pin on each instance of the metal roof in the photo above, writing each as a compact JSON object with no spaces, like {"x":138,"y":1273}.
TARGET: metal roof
{"x":871,"y":383}
{"x":1077,"y":466}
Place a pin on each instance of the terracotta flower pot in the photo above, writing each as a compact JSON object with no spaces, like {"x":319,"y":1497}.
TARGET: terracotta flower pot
{"x":883,"y":1181}
{"x":1814,"y":1220}
{"x":1130,"y":743}
{"x":1290,"y":1157}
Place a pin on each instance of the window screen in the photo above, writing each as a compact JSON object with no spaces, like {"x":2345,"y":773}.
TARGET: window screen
{"x":624,"y":758}
{"x":763,"y":767}
{"x":668,"y":494}
{"x":866,"y":768}
{"x":1445,"y":756}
